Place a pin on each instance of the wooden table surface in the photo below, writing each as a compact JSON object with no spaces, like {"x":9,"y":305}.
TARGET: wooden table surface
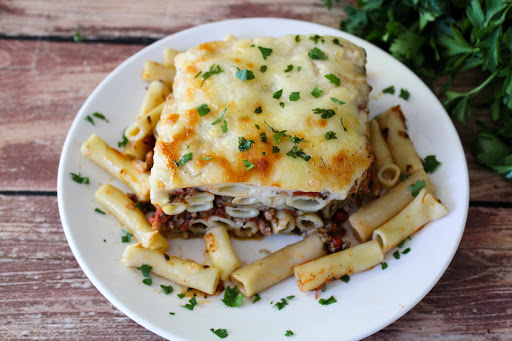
{"x":44,"y":79}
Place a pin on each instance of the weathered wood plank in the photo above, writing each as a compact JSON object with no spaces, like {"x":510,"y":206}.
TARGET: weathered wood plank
{"x":45,"y":295}
{"x":154,"y":18}
{"x":48,"y":82}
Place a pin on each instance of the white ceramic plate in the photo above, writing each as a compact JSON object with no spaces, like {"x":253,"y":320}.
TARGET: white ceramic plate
{"x":369,"y":302}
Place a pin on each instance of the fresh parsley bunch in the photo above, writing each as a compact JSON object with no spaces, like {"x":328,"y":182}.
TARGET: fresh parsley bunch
{"x":441,"y":37}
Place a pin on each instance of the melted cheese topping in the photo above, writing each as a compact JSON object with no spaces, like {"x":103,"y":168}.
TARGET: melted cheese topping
{"x":335,"y":165}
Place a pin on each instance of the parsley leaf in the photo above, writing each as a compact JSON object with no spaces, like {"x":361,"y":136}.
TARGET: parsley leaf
{"x":330,"y":135}
{"x":396,"y":254}
{"x":404,"y":94}
{"x":245,"y":75}
{"x":221,"y":117}
{"x":384,"y":265}
{"x":203,"y":109}
{"x":77,"y":36}
{"x":315,"y":38}
{"x":317,"y":54}
{"x":335,"y":100}
{"x":89,"y":119}
{"x":294,"y":96}
{"x":147,"y":281}
{"x":79,"y":179}
{"x":282,"y":304}
{"x":326,"y":113}
{"x":297,"y":38}
{"x":281,"y":104}
{"x":126,"y":237}
{"x":145,"y":269}
{"x":222,"y":333}
{"x":213,"y":70}
{"x":278,"y":94}
{"x":167,"y":289}
{"x":248,"y":164}
{"x":406,"y":251}
{"x":333,"y":79}
{"x":324,"y":288}
{"x":298,"y":153}
{"x":275,"y":149}
{"x":185,"y":158}
{"x":336,"y":41}
{"x":288,"y":68}
{"x":98,"y":211}
{"x":389,"y":90}
{"x":191,"y":304}
{"x":263,"y":68}
{"x":288,"y":333}
{"x":100,"y":116}
{"x":263,"y":137}
{"x":316,"y":92}
{"x":257,"y":297}
{"x":328,"y":301}
{"x":265,"y":52}
{"x":224,"y":127}
{"x":244,"y":144}
{"x":345,"y":278}
{"x":171,"y":313}
{"x":430,"y":164}
{"x":123,"y":142}
{"x":181,"y":295}
{"x":206,"y":157}
{"x":416,"y":187}
{"x":232,"y":297}
{"x":258,"y":110}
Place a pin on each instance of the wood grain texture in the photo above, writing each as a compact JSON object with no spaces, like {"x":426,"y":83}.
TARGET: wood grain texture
{"x":153,"y":18}
{"x":54,"y":300}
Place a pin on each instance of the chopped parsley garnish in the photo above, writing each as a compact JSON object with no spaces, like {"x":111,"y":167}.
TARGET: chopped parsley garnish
{"x":257,"y":297}
{"x":328,"y":301}
{"x":224,"y":127}
{"x":98,"y":211}
{"x":344,"y":128}
{"x":326,"y":113}
{"x":213,"y":70}
{"x":337,"y":42}
{"x":316,"y":53}
{"x":185,"y":158}
{"x":333,"y":79}
{"x":248,"y":164}
{"x":384,"y":265}
{"x":281,"y":104}
{"x":147,"y":281}
{"x":323,"y":163}
{"x":299,"y":68}
{"x":404,"y":176}
{"x":79,"y":179}
{"x":145,"y":269}
{"x":401,"y":243}
{"x":345,"y":278}
{"x":335,"y":100}
{"x":396,"y":254}
{"x":171,"y":313}
{"x":282,"y":304}
{"x":244,"y":75}
{"x":297,"y":38}
{"x":90,"y":120}
{"x":77,"y":36}
{"x":206,"y":157}
{"x":288,"y":68}
{"x":316,"y":92}
{"x":197,"y":75}
{"x":406,"y":251}
{"x":275,"y":149}
{"x":181,"y":295}
{"x":289,"y":297}
{"x":221,"y":117}
{"x":389,"y":90}
{"x":324,"y":288}
{"x":298,"y":153}
{"x":296,"y":139}
{"x":100,"y":116}
{"x":416,"y":187}
{"x":191,"y":304}
{"x":126,"y":237}
{"x":167,"y":289}
{"x":258,"y":110}
{"x":278,"y":94}
{"x":138,"y":205}
{"x":330,"y":135}
{"x":263,"y":68}
{"x":203,"y":109}
{"x":263,"y":137}
{"x":295,"y":96}
{"x":315,"y":38}
{"x":263,"y":153}
{"x":222,"y":333}
{"x":257,"y":126}
{"x":232,"y":297}
{"x":288,"y":333}
{"x":404,"y":94}
{"x":430,"y":164}
{"x":265,"y":52}
{"x":123,"y":142}
{"x":244,"y":144}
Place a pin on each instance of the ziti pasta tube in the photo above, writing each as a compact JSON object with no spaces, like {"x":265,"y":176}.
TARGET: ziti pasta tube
{"x":186,"y":273}
{"x":144,"y":126}
{"x":258,"y":276}
{"x":369,"y":217}
{"x":387,"y":172}
{"x":118,"y":165}
{"x":118,"y":203}
{"x":158,"y":72}
{"x":424,"y":208}
{"x":220,"y":251}
{"x":392,"y":125}
{"x":313,"y":274}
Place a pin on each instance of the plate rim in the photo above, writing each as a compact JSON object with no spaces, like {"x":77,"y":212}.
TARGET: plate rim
{"x":146,"y":323}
